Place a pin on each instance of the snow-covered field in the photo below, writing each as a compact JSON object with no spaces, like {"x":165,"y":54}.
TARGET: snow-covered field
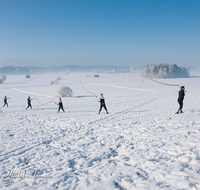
{"x":140,"y":144}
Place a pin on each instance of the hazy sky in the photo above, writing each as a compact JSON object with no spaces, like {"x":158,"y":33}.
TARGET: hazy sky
{"x":107,"y":32}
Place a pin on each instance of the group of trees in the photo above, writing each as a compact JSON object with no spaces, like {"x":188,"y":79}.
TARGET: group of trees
{"x":15,"y":70}
{"x":55,"y":81}
{"x":18,"y":70}
{"x":159,"y":70}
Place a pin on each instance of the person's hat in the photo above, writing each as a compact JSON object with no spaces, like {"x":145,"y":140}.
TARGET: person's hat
{"x":182,"y":86}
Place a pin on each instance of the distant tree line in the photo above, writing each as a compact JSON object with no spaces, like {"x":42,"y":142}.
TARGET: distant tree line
{"x":66,"y":68}
{"x":14,"y":70}
{"x":159,"y":70}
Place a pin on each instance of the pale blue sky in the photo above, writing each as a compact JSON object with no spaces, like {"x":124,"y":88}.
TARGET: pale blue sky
{"x":95,"y":32}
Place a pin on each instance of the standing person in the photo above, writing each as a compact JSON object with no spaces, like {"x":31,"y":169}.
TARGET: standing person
{"x":5,"y":101}
{"x":181,"y":95}
{"x":102,"y":103}
{"x":29,"y":102}
{"x":60,"y":105}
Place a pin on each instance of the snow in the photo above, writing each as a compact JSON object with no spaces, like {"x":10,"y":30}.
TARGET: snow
{"x":140,"y":144}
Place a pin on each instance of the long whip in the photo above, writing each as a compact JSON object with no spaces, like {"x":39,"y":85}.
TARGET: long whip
{"x":158,"y":82}
{"x":44,"y":103}
{"x":89,"y":91}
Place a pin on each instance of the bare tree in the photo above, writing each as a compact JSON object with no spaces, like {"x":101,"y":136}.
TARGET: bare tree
{"x":55,"y":81}
{"x":65,"y":91}
{"x":58,"y":78}
{"x":52,"y":82}
{"x":132,"y":69}
{"x":3,"y":78}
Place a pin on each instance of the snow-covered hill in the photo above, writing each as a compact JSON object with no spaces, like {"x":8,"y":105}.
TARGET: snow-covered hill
{"x":140,"y":144}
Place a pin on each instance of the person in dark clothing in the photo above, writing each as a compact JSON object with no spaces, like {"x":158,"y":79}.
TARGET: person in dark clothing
{"x":102,"y":104}
{"x":181,"y":95}
{"x":29,"y":102}
{"x":60,"y":105}
{"x":5,"y":101}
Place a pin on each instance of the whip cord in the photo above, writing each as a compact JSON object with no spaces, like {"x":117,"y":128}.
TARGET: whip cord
{"x":89,"y":91}
{"x":44,"y":103}
{"x":158,"y":82}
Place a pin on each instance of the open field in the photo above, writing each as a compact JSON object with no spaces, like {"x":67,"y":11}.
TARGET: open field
{"x":140,"y":144}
